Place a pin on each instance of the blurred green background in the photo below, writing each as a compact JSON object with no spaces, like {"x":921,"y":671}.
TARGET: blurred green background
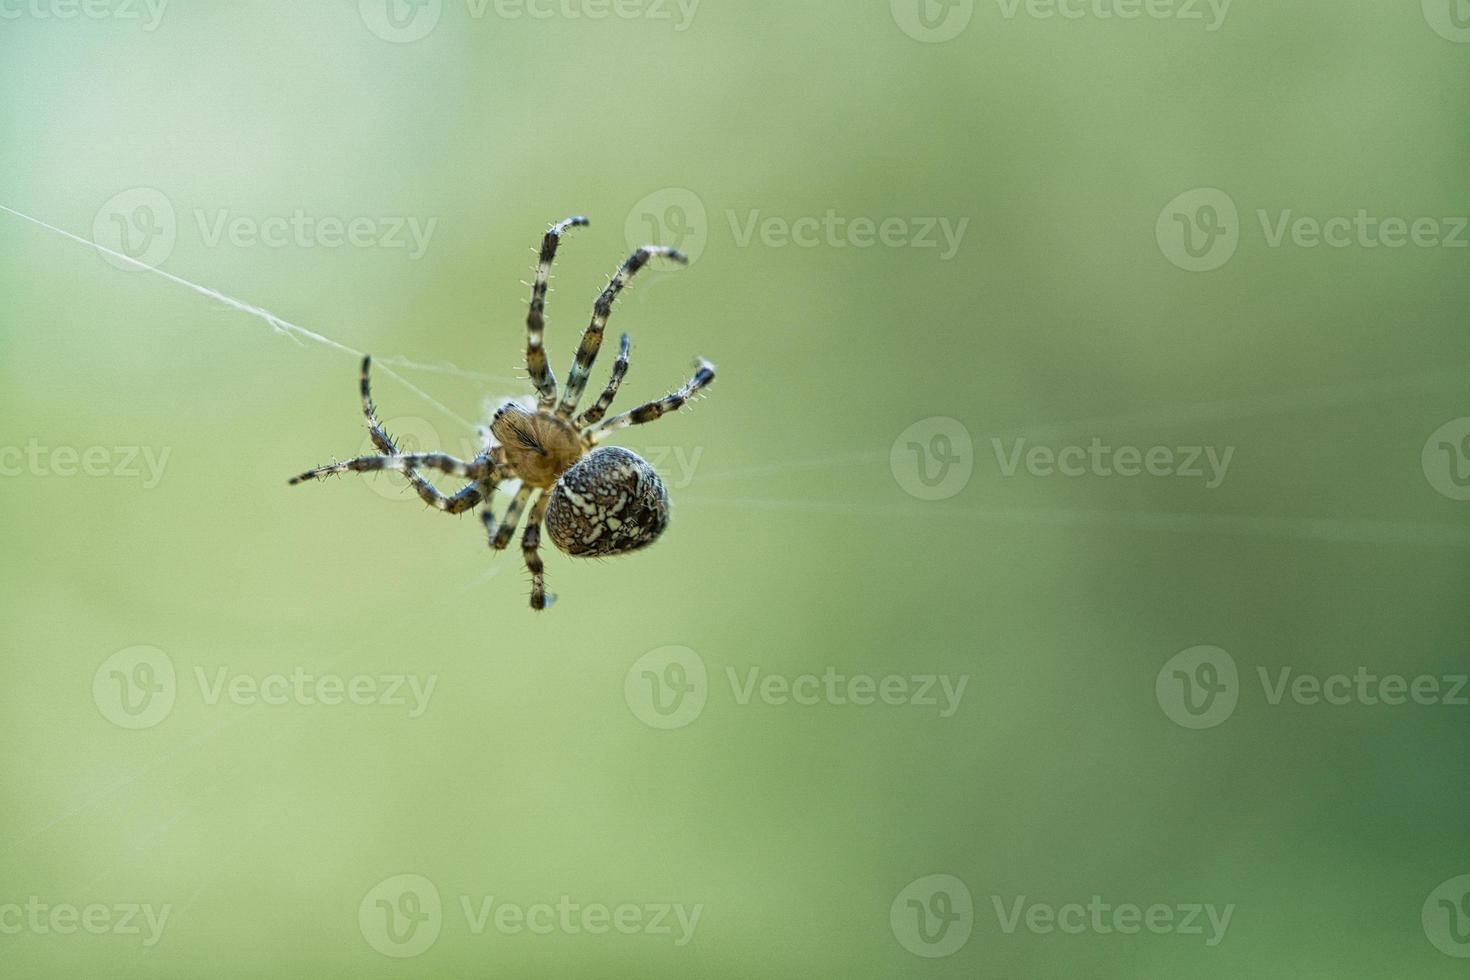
{"x":1069,"y":156}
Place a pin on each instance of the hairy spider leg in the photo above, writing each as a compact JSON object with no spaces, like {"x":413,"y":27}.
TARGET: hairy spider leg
{"x":601,"y":311}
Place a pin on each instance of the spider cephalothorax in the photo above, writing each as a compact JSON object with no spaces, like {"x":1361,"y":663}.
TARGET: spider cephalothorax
{"x":595,"y":502}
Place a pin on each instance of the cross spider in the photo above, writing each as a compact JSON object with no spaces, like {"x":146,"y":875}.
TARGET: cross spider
{"x":594,"y":501}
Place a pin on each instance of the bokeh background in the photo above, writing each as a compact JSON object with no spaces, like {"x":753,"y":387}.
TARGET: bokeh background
{"x":844,"y":501}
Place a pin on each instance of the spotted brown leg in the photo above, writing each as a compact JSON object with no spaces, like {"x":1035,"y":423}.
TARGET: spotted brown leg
{"x":656,"y":409}
{"x":481,"y":469}
{"x":501,"y":539}
{"x":599,"y":408}
{"x":592,"y":336}
{"x":531,"y":552}
{"x":536,"y":364}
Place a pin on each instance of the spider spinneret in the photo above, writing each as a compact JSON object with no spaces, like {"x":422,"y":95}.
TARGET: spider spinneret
{"x":595,"y":502}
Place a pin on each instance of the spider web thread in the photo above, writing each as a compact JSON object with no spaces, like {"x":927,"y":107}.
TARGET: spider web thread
{"x":279,"y":324}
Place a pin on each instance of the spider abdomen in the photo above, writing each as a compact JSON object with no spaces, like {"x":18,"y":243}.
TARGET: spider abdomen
{"x":610,"y":503}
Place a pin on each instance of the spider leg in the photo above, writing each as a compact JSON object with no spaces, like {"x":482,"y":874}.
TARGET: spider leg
{"x":483,"y":470}
{"x":540,"y":371}
{"x":655,"y":409}
{"x":599,"y":408}
{"x":592,"y":336}
{"x":478,"y":470}
{"x":531,"y":552}
{"x":382,"y":440}
{"x":500,"y":540}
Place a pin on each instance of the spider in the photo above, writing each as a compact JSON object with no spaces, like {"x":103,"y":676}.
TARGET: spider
{"x":595,"y":502}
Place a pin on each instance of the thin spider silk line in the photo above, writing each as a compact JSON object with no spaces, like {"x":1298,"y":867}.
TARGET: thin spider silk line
{"x":1311,"y":399}
{"x":279,"y":324}
{"x":1333,"y":530}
